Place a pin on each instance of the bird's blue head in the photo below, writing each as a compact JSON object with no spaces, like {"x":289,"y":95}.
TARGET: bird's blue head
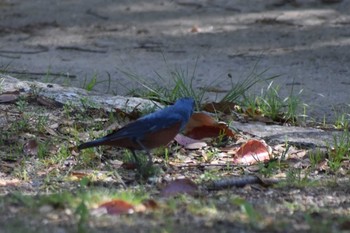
{"x":186,"y":106}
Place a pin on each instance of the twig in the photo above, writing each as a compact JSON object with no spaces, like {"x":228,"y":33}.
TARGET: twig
{"x":202,"y":165}
{"x":81,"y":49}
{"x":239,"y":182}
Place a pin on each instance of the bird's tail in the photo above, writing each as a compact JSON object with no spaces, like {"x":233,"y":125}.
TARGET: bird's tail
{"x":94,"y":143}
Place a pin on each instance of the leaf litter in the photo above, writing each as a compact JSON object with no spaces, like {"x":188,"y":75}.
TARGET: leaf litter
{"x":239,"y":175}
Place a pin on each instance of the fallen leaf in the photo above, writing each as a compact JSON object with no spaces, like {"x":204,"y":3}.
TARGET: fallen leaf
{"x":146,"y":205}
{"x":252,"y":152}
{"x":189,"y":143}
{"x":199,"y":119}
{"x":179,"y":186}
{"x":210,"y":131}
{"x":150,"y":204}
{"x":202,"y":125}
{"x":78,"y":174}
{"x":8,"y":98}
{"x":195,"y":29}
{"x":30,"y":147}
{"x":117,"y":207}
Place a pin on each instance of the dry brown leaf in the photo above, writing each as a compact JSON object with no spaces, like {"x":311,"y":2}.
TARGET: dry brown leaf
{"x":8,"y":98}
{"x":202,"y":125}
{"x":189,"y":143}
{"x":30,"y":148}
{"x":179,"y":186}
{"x":195,"y":29}
{"x":117,"y":207}
{"x":78,"y":174}
{"x":252,"y":152}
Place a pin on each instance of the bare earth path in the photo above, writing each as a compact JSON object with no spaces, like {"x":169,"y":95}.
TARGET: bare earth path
{"x":308,"y":43}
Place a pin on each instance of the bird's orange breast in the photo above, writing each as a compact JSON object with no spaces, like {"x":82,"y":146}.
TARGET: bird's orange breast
{"x":150,"y":140}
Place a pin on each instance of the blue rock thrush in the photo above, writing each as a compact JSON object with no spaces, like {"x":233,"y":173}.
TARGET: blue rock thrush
{"x":150,"y":131}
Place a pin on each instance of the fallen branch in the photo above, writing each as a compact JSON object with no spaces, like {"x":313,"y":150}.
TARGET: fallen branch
{"x":81,"y":49}
{"x":239,"y":182}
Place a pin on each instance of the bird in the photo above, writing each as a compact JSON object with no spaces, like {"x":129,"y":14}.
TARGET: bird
{"x":150,"y":131}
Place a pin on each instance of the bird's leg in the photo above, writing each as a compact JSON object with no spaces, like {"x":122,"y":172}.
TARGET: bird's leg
{"x":147,"y":151}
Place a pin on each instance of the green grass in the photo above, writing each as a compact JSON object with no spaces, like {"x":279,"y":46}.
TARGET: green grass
{"x":240,"y":89}
{"x":91,"y":83}
{"x":341,"y":120}
{"x":182,"y":83}
{"x":271,"y":104}
{"x":179,"y":82}
{"x":340,"y":150}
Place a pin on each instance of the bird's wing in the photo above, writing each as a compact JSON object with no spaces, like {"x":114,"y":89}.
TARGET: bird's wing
{"x":143,"y":126}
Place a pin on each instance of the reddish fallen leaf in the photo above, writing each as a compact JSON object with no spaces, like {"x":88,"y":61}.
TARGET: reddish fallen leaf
{"x":202,"y":125}
{"x":150,"y":204}
{"x":224,"y":107}
{"x":30,"y":147}
{"x":195,"y":29}
{"x":8,"y":98}
{"x":210,"y":131}
{"x":179,"y":186}
{"x":198,"y":119}
{"x":78,"y":175}
{"x":117,"y":207}
{"x":189,"y":143}
{"x":252,"y":152}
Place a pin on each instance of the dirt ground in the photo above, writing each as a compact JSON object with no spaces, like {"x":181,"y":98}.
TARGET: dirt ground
{"x":307,"y":42}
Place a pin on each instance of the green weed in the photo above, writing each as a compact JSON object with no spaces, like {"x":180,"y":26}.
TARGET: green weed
{"x":141,"y":162}
{"x":340,"y":150}
{"x":239,"y":90}
{"x":342,"y":121}
{"x":181,"y":84}
{"x":269,"y":103}
{"x":299,"y":178}
{"x":316,"y":157}
{"x":90,"y":84}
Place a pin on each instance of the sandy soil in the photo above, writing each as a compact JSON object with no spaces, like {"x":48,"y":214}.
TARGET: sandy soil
{"x":307,"y":42}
